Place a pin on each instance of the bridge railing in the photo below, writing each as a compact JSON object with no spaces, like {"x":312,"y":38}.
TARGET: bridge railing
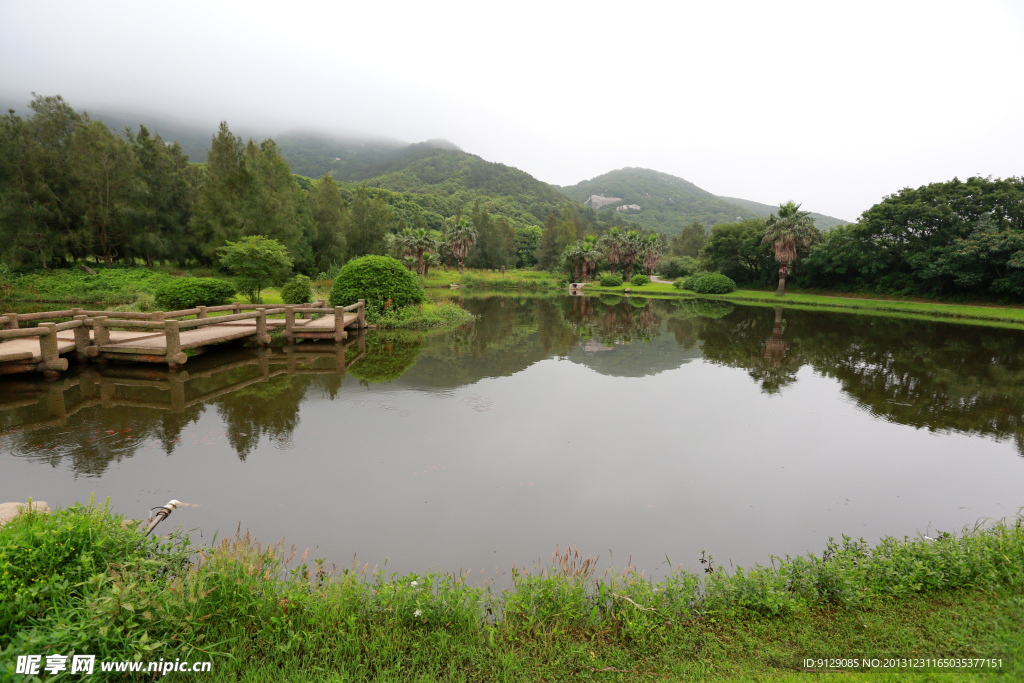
{"x":50,"y":361}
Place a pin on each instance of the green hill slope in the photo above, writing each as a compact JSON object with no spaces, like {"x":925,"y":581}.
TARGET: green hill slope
{"x":655,"y":200}
{"x":662,"y":202}
{"x":821,"y":220}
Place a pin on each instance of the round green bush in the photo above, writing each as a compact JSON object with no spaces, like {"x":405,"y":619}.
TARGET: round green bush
{"x":297,"y":290}
{"x":679,"y":282}
{"x":709,"y":283}
{"x":376,"y":279}
{"x":610,"y":280}
{"x":639,"y":280}
{"x":189,"y":292}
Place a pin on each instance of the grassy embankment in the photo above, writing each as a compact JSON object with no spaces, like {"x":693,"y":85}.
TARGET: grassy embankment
{"x":77,"y":581}
{"x":510,"y":281}
{"x":1004,"y":316}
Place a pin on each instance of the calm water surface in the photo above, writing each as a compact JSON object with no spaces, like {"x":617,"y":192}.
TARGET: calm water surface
{"x":626,"y":429}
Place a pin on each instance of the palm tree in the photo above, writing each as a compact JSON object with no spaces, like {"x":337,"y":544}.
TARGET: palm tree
{"x":430,"y":260}
{"x":402,"y":245}
{"x":461,"y":235}
{"x":611,"y":244}
{"x":630,"y":250}
{"x":787,"y":230}
{"x":652,"y":249}
{"x":420,"y":240}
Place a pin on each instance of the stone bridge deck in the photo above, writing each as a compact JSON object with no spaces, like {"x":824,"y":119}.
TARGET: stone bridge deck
{"x":159,"y":337}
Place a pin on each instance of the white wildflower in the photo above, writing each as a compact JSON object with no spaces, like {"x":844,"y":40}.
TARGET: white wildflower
{"x":414,"y":584}
{"x":418,"y":613}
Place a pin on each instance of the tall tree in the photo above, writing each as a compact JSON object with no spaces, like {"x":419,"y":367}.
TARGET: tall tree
{"x":690,"y":241}
{"x":161,"y":225}
{"x":495,"y":243}
{"x":558,"y":233}
{"x":786,"y":230}
{"x":109,"y":194}
{"x":368,"y":220}
{"x":327,"y":211}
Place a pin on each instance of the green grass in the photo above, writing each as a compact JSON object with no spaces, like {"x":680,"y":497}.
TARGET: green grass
{"x":1003,"y":316}
{"x":511,"y":280}
{"x":109,"y":287}
{"x":424,"y":316}
{"x":79,"y":582}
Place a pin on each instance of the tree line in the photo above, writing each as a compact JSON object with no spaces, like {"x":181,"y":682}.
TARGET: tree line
{"x":959,"y":239}
{"x":72,"y":190}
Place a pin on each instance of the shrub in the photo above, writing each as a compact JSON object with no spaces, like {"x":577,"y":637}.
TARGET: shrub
{"x":298,"y":290}
{"x":709,"y":283}
{"x":189,"y":292}
{"x":610,"y":280}
{"x":377,"y":280}
{"x":639,"y":280}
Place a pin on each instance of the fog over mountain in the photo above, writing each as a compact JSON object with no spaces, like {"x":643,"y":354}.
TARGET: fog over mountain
{"x":834,"y":106}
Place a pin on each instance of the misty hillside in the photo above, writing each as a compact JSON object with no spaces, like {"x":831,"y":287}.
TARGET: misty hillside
{"x":352,"y":159}
{"x":657,"y":201}
{"x":822,"y":221}
{"x":662,"y":202}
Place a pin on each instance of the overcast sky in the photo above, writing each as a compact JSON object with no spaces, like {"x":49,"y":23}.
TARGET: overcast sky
{"x":831,"y":104}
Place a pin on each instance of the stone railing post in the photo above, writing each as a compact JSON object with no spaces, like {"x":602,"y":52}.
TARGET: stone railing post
{"x":12,"y":321}
{"x":157,"y":316}
{"x":81,"y":338}
{"x":52,"y":362}
{"x":236,"y":309}
{"x":174,"y":356}
{"x":362,"y":314}
{"x":262,"y":338}
{"x":289,"y":323}
{"x":339,"y":324}
{"x":100,"y":333}
{"x":202,"y":312}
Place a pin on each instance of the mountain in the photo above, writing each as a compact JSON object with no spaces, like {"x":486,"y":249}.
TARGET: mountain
{"x":352,"y":159}
{"x":662,"y":202}
{"x":438,"y":177}
{"x":821,"y":220}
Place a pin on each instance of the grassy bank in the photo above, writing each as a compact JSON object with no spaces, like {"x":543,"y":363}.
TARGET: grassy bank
{"x":924,"y":309}
{"x":424,"y":316}
{"x":109,"y":287}
{"x":511,"y":280}
{"x":77,"y":581}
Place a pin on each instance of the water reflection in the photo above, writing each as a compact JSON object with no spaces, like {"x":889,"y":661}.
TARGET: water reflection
{"x":939,"y":376}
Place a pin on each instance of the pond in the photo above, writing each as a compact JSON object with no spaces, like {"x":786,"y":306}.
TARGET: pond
{"x":637,"y":431}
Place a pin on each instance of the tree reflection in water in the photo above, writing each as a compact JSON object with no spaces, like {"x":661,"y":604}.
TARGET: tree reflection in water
{"x":935,"y":375}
